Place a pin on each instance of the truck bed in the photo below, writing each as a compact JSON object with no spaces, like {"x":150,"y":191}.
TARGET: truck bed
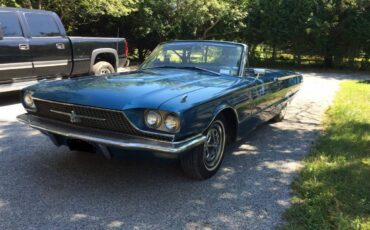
{"x":83,"y":47}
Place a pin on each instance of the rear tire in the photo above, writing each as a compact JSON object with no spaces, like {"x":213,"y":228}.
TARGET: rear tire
{"x":281,"y":115}
{"x":205,"y":160}
{"x":102,"y":68}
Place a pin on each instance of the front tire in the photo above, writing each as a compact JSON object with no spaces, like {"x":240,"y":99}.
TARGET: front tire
{"x":102,"y":68}
{"x":205,"y":160}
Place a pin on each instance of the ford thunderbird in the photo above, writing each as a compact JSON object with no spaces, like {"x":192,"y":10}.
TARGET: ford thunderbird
{"x":187,"y":100}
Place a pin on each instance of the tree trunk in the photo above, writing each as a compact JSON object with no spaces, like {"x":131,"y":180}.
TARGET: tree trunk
{"x":29,"y":4}
{"x":273,"y":57}
{"x":209,"y":29}
{"x":39,"y":5}
{"x":328,"y":61}
{"x":329,"y":58}
{"x":351,"y":62}
{"x":298,"y":59}
{"x":141,"y":54}
{"x":365,"y":63}
{"x":252,"y":50}
{"x":252,"y":54}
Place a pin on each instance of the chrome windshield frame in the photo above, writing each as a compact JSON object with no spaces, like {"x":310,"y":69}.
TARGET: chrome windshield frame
{"x":243,"y":57}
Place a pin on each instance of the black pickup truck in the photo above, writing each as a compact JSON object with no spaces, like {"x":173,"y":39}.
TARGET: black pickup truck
{"x":34,"y":45}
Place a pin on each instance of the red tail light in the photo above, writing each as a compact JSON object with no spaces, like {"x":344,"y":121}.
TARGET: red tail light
{"x":126,"y":49}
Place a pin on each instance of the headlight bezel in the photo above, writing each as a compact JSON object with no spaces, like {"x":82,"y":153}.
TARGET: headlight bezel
{"x":175,"y":118}
{"x":164,"y":115}
{"x":158,"y":122}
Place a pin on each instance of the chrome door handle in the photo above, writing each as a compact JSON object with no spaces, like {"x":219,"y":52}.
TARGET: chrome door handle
{"x":60,"y":46}
{"x":24,"y":47}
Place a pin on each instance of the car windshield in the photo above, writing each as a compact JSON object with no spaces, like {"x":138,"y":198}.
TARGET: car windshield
{"x":212,"y":57}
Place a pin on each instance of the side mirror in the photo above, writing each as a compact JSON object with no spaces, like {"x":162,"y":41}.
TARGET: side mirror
{"x":1,"y":32}
{"x":259,"y":72}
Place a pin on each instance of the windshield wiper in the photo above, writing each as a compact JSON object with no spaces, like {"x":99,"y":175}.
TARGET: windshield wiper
{"x":184,"y":67}
{"x":160,"y":67}
{"x":202,"y":69}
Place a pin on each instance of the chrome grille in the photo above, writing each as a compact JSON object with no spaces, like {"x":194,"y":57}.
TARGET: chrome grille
{"x":91,"y":117}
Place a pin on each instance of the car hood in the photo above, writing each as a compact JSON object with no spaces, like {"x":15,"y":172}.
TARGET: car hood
{"x":142,"y":89}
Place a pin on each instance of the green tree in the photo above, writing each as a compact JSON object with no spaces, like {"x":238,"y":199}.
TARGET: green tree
{"x":266,"y":24}
{"x":158,"y":20}
{"x":337,"y":29}
{"x":77,"y":13}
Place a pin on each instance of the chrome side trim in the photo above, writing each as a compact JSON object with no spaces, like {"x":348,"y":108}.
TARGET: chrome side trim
{"x":90,"y":107}
{"x":288,"y":77}
{"x":81,"y":59}
{"x":15,"y":66}
{"x":28,"y":65}
{"x":249,"y":89}
{"x":41,"y":64}
{"x":108,"y":138}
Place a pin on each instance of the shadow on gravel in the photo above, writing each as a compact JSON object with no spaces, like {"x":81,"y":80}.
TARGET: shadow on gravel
{"x":9,"y":98}
{"x":365,"y":82}
{"x":42,"y":185}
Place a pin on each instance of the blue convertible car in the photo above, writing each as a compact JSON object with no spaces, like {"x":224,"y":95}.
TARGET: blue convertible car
{"x":187,"y":100}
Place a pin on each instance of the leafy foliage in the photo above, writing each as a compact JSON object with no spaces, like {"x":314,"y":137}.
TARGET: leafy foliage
{"x":159,"y":20}
{"x":334,"y":31}
{"x":77,"y":13}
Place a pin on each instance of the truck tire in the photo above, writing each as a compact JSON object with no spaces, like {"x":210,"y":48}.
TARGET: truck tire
{"x":102,"y":68}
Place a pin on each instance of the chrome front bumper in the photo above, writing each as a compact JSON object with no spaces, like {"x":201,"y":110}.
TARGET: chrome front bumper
{"x":109,"y":139}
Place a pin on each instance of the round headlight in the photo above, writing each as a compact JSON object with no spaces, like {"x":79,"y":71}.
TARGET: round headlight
{"x":28,"y":100}
{"x":153,"y":119}
{"x":172,"y":123}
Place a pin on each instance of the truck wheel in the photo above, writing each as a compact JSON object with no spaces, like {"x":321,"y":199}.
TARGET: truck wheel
{"x":102,"y":68}
{"x":205,"y":160}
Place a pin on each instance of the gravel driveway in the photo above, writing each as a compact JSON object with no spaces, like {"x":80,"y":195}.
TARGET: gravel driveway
{"x":44,"y":187}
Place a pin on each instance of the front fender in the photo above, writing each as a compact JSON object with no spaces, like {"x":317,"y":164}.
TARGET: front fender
{"x":221,"y":108}
{"x":197,"y":120}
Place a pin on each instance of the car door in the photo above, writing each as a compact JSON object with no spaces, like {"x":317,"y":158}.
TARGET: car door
{"x":259,"y":99}
{"x":269,"y":97}
{"x":15,"y":58}
{"x":50,"y":48}
{"x":248,"y":103}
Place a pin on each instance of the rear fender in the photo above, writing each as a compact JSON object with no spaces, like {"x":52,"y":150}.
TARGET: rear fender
{"x":96,"y":52}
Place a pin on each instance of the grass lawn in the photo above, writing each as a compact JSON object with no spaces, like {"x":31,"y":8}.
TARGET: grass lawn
{"x":333,"y":189}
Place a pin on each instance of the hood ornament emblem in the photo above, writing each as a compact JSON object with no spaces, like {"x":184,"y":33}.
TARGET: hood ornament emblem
{"x":183,"y":98}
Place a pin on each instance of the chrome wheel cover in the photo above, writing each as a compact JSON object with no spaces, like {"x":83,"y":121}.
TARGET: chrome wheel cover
{"x":105,"y":71}
{"x":214,"y":146}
